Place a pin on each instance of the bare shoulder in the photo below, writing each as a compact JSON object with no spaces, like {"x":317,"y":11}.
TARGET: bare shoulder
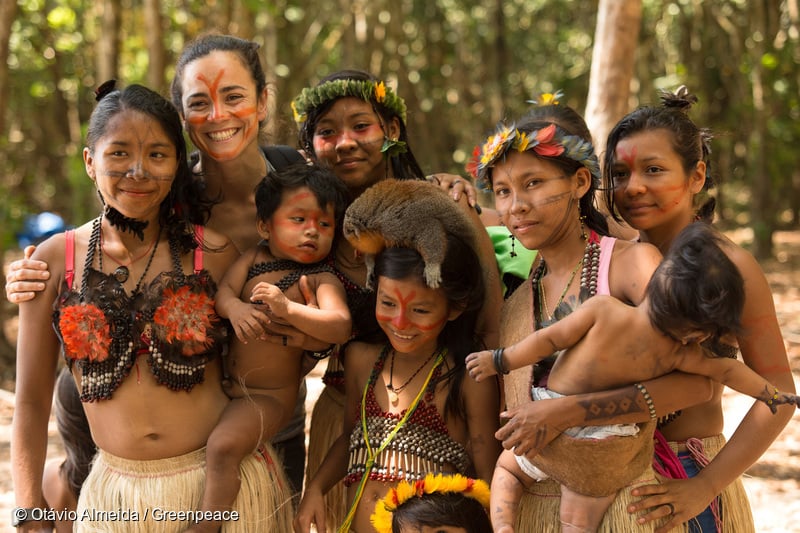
{"x":629,"y":252}
{"x":360,"y":357}
{"x":747,"y":264}
{"x":632,"y":266}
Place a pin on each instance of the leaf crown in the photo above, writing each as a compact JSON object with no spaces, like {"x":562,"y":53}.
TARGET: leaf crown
{"x":368,"y":91}
{"x":442,"y":483}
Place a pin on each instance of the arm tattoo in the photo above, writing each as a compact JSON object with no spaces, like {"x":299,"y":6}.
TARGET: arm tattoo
{"x":623,"y":403}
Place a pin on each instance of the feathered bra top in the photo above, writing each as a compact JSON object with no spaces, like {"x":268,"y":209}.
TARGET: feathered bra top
{"x":172,"y":320}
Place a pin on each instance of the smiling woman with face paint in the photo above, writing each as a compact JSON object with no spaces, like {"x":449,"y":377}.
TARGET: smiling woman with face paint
{"x":134,"y":319}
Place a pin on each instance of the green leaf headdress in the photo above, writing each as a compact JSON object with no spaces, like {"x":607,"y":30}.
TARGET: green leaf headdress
{"x":369,"y":91}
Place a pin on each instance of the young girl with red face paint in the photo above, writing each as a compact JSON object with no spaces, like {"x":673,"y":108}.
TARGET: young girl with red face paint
{"x":298,"y":211}
{"x":409,"y":410}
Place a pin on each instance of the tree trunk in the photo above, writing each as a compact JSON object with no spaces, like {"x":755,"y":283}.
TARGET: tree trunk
{"x":761,"y":212}
{"x":615,"y":42}
{"x":108,"y":42}
{"x":8,"y":12}
{"x":156,"y":78}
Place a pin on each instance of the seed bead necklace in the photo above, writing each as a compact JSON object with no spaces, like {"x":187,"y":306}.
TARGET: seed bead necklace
{"x":590,"y":263}
{"x":122,"y":272}
{"x":394,"y":392}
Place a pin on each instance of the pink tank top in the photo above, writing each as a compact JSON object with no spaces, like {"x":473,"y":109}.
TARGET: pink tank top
{"x":606,"y":251}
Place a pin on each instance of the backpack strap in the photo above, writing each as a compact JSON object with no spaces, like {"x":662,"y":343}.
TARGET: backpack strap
{"x":280,"y":156}
{"x":69,"y":256}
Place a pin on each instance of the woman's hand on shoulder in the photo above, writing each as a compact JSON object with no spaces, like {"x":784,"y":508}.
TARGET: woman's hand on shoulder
{"x":26,"y":277}
{"x":456,"y":186}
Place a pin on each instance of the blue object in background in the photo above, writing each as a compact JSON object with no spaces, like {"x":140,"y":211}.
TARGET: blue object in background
{"x":37,"y":228}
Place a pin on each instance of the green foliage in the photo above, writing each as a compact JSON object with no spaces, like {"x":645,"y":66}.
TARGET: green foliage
{"x":461,"y":65}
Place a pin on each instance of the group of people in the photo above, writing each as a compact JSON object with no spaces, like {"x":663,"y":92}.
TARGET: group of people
{"x":190,"y":309}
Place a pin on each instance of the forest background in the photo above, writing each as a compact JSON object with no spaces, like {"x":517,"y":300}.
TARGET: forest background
{"x":461,"y":65}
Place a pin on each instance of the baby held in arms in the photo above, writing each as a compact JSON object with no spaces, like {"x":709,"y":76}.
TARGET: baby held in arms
{"x":695,"y":295}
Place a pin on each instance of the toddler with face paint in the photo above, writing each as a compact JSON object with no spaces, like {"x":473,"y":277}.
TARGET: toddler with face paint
{"x":298,"y":208}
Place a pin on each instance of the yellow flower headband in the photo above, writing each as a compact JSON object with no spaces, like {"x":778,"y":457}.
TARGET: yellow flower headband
{"x":312,"y":97}
{"x":405,"y":490}
{"x":545,"y":142}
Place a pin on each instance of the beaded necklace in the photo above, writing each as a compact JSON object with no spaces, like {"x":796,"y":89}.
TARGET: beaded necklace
{"x":394,"y":392}
{"x":121,"y":273}
{"x":590,"y":263}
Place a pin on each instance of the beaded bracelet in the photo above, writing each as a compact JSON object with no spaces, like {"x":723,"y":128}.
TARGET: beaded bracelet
{"x":648,"y":400}
{"x":771,"y":401}
{"x":319,"y":356}
{"x":497,"y":358}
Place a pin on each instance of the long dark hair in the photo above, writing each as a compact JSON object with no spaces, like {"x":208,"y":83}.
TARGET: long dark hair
{"x":74,"y":430}
{"x":462,"y":285}
{"x":404,"y":166}
{"x":690,"y":142}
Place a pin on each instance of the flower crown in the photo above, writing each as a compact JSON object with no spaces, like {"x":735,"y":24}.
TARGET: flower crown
{"x":545,"y":142}
{"x":312,"y":97}
{"x":405,"y":490}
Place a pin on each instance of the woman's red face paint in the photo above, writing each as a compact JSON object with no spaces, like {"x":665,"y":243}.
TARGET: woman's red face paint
{"x":651,"y":187}
{"x":348,"y":139}
{"x":411,"y":314}
{"x":221,"y":105}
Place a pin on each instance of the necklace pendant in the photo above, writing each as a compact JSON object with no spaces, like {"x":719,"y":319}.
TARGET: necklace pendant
{"x":121,"y":274}
{"x":393,"y":396}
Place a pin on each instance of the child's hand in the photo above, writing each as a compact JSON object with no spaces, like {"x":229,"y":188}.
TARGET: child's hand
{"x":480,"y":365}
{"x":778,"y":398}
{"x":248,"y":321}
{"x":310,"y":512}
{"x":272,"y":296}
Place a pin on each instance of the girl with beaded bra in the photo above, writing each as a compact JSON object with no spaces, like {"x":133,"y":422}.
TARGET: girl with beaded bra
{"x":355,"y":124}
{"x":544,"y":175}
{"x":134,"y":317}
{"x":695,"y":295}
{"x":409,"y":409}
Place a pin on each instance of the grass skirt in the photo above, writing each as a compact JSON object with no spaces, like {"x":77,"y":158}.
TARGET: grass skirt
{"x":539,"y":508}
{"x":127,"y":496}
{"x":327,"y":420}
